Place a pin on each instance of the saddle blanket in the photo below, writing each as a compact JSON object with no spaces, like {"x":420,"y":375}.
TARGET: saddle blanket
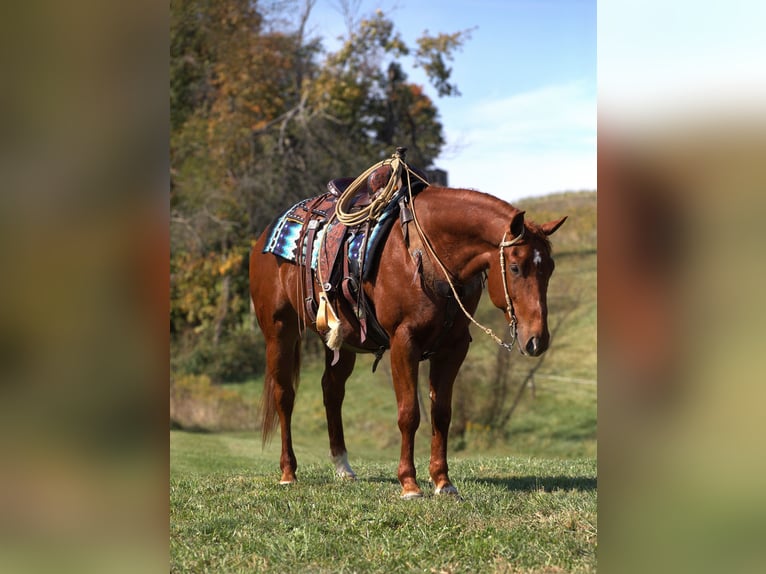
{"x":286,"y":230}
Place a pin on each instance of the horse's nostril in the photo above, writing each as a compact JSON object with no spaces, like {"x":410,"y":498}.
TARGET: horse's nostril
{"x":533,"y":346}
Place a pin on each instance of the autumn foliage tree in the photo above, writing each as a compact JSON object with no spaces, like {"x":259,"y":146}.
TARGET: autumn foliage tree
{"x":262,"y":116}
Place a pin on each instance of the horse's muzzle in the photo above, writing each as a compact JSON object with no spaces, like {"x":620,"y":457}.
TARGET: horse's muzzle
{"x":534,"y":347}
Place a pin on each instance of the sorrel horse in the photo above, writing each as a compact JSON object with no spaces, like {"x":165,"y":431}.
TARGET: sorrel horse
{"x":467,"y":231}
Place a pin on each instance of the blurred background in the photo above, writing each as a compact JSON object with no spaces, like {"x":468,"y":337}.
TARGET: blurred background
{"x":84,"y":258}
{"x":681,"y":183}
{"x":87,"y":354}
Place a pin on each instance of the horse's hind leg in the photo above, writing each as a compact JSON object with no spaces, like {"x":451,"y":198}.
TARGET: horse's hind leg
{"x":282,"y":368}
{"x":334,"y":390}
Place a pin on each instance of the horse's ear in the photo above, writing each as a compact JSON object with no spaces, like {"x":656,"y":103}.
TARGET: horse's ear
{"x":551,"y":226}
{"x":517,"y":224}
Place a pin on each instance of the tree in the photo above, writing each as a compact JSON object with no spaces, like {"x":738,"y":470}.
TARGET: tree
{"x":261,"y":118}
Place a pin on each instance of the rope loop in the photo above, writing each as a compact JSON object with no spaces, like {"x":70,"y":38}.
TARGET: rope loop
{"x":375,"y":209}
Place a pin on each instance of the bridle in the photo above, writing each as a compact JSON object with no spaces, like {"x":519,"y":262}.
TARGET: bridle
{"x":508,"y":302}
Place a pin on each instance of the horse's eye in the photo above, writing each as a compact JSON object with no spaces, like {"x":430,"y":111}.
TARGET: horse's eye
{"x":514,"y":269}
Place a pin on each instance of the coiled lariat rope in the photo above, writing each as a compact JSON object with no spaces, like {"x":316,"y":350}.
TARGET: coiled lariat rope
{"x":374,"y":210}
{"x":502,"y":246}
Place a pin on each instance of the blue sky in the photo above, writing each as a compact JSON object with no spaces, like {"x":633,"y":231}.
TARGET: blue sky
{"x":525,"y":123}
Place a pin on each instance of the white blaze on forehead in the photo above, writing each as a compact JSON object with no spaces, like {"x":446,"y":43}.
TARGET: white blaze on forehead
{"x":537,"y":259}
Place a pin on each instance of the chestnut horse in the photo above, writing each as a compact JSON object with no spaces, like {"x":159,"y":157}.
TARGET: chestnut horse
{"x":467,"y":231}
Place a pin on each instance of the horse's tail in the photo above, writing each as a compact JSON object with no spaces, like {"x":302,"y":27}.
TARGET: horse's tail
{"x":269,"y":418}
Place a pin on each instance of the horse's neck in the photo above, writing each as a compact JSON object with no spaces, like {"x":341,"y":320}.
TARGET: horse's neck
{"x":464,"y":227}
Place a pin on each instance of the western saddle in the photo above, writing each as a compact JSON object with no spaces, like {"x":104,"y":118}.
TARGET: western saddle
{"x":338,"y":272}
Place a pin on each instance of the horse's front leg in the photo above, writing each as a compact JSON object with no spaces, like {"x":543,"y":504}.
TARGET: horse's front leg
{"x":444,"y":368}
{"x":404,"y":371}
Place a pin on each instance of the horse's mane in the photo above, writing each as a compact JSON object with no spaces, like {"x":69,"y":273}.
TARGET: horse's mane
{"x":491,"y":203}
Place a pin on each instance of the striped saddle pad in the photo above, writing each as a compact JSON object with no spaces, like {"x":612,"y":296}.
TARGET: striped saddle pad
{"x":285,"y":234}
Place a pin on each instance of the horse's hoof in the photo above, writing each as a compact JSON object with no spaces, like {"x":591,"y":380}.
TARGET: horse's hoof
{"x":342,"y":468}
{"x":448,"y":490}
{"x":286,"y":482}
{"x":412,"y":495}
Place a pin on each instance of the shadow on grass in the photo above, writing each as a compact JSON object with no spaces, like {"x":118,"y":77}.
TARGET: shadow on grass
{"x":381,"y":479}
{"x":546,"y":483}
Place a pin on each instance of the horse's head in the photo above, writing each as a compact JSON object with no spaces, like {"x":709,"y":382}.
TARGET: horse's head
{"x":518,"y":281}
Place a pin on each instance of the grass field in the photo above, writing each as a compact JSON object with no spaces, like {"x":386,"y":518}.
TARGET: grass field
{"x":228,"y":514}
{"x":529,"y":488}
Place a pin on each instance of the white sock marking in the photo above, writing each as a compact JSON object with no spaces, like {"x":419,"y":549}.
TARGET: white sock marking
{"x":342,"y":468}
{"x":449,"y":489}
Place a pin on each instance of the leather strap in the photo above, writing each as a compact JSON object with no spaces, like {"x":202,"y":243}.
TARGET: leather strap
{"x":308,"y":275}
{"x":423,"y":264}
{"x":352,"y":292}
{"x":332,"y":242}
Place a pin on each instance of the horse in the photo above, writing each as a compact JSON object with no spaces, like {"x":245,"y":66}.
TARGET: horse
{"x":468,"y":233}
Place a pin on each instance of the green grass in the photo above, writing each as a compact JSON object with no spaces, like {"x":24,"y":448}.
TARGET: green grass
{"x":228,"y":514}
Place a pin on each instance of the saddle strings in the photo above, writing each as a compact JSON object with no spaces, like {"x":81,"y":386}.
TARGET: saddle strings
{"x":502,"y":246}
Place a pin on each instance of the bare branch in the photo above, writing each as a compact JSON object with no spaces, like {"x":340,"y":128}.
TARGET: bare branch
{"x":349,"y":9}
